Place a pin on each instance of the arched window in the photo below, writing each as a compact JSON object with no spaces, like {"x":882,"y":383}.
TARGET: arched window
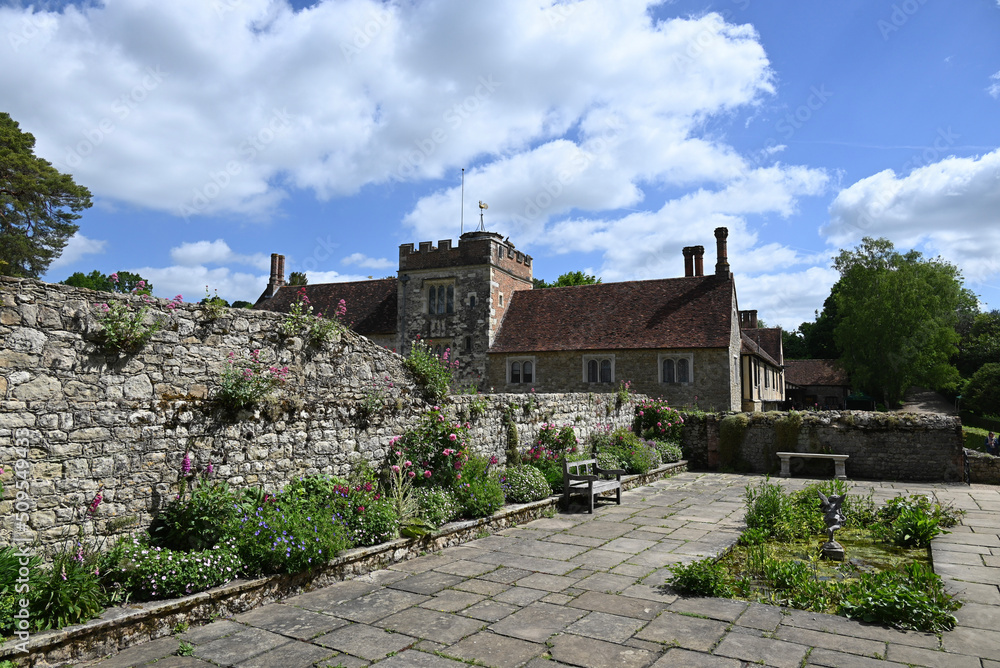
{"x":592,"y":371}
{"x":451,"y":299}
{"x":605,"y":371}
{"x":515,"y":371}
{"x":668,"y":371}
{"x":527,"y":372}
{"x":683,"y":375}
{"x":472,"y":301}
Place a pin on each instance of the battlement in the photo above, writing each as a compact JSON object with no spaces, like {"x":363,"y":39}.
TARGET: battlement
{"x":474,"y":248}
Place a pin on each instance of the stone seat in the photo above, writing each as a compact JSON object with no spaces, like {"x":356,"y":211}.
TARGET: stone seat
{"x":839,"y":471}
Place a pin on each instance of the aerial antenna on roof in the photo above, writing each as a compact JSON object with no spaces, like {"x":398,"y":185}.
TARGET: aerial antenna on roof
{"x":482,"y":207}
{"x":463,"y":200}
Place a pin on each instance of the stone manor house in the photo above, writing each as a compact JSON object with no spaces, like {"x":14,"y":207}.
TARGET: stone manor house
{"x":683,"y":339}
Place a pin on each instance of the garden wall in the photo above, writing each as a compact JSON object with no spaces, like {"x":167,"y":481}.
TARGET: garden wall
{"x":87,"y":420}
{"x":984,"y":469}
{"x":881,"y":446}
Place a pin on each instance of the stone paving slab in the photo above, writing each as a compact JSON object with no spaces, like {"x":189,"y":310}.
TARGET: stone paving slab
{"x":588,"y":590}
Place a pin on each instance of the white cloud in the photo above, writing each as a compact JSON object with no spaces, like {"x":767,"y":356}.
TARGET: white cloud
{"x":76,"y":247}
{"x":316,"y":277}
{"x":786,"y":299}
{"x":191,"y":282}
{"x":950,"y":207}
{"x":363,"y":260}
{"x":994,"y":88}
{"x":190,"y":254}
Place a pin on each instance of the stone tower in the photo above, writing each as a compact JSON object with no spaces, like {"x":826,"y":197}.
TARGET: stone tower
{"x":456,"y":297}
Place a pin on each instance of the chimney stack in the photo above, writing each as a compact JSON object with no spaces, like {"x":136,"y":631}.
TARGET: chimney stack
{"x":688,"y":261}
{"x":699,"y":260}
{"x":722,"y":258}
{"x":277,"y":278}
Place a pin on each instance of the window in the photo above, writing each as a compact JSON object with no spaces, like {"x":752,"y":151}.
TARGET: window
{"x":501,"y":299}
{"x":468,"y":344}
{"x":599,"y":369}
{"x":472,"y":301}
{"x":440,"y":299}
{"x":676,"y":368}
{"x":520,"y":370}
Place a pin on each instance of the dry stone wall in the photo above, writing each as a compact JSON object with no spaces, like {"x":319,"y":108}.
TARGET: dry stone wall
{"x":89,"y":421}
{"x":881,"y":446}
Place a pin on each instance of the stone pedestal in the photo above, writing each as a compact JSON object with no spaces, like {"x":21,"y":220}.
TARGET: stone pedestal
{"x":833,"y":550}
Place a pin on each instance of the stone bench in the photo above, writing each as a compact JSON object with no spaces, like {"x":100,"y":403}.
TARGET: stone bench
{"x":838,"y":462}
{"x":584,"y":477}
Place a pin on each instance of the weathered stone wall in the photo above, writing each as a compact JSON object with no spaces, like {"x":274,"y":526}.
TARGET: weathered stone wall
{"x":984,"y":469}
{"x":881,"y":446}
{"x":123,"y":423}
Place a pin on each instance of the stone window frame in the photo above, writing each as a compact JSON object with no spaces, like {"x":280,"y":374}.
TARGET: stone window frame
{"x":520,"y":360}
{"x":433,"y":284}
{"x":676,"y":357}
{"x":599,"y":359}
{"x":470,"y":299}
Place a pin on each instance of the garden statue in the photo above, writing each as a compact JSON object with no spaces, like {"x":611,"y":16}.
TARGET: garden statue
{"x":834,"y":519}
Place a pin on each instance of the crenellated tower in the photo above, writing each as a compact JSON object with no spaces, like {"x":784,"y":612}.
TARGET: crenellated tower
{"x":456,"y":296}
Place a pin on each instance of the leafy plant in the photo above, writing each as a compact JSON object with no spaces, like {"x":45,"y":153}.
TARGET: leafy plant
{"x":436,"y":505}
{"x":553,"y":445}
{"x":705,"y":577}
{"x":314,"y":328}
{"x":123,"y":328}
{"x":437,"y":447}
{"x":213,"y":308}
{"x":11,"y":590}
{"x":433,"y":373}
{"x":374,"y":401}
{"x":69,"y":592}
{"x":524,"y":484}
{"x":912,"y":598}
{"x":197,"y":521}
{"x":478,"y":490}
{"x":185,"y":649}
{"x":151,"y":572}
{"x":247,"y":380}
{"x":914,"y":528}
{"x":623,"y":449}
{"x":654,"y":419}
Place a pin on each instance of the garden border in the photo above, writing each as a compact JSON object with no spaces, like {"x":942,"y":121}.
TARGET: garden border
{"x":119,"y":628}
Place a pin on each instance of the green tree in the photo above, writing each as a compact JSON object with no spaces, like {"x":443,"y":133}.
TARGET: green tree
{"x":567,"y":279}
{"x":37,"y":205}
{"x":299,"y":278}
{"x":980,"y":343}
{"x":794,"y":345}
{"x":120,"y":281}
{"x":897,"y":317}
{"x":818,"y":335}
{"x":982,"y":394}
{"x":239,"y":303}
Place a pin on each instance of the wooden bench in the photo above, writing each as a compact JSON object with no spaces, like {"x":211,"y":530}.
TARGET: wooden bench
{"x":838,"y":462}
{"x":584,"y":477}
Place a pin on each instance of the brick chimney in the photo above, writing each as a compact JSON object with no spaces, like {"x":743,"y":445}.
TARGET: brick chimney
{"x":699,"y":260}
{"x":277,"y":278}
{"x":722,"y":258}
{"x":688,"y":261}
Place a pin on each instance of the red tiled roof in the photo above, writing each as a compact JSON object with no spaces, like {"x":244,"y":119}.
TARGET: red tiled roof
{"x":815,"y":372}
{"x":750,"y":347}
{"x":767,"y":342}
{"x":371,"y":305}
{"x":691,"y":312}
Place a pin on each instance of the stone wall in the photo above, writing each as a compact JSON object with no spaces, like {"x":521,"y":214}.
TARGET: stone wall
{"x":984,"y":469}
{"x":122,"y":423}
{"x":881,"y":446}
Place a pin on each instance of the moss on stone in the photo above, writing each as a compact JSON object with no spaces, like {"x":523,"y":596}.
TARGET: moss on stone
{"x":732,"y":431}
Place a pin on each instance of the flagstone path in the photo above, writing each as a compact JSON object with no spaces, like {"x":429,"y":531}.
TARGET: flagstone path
{"x":585,"y":590}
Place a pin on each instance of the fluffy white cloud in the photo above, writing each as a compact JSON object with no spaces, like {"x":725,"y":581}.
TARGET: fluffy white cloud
{"x":190,"y":254}
{"x":191,"y":281}
{"x":950,"y":207}
{"x":76,"y":247}
{"x":994,"y":88}
{"x":786,"y":299}
{"x":363,"y":260}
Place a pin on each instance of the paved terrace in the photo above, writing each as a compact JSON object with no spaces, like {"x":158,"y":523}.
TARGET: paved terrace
{"x":582,"y":590}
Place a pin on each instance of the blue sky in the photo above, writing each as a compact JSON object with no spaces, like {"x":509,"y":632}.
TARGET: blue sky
{"x":605,"y":136}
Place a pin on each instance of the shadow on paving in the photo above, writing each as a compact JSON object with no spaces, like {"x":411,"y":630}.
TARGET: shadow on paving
{"x":587,"y":590}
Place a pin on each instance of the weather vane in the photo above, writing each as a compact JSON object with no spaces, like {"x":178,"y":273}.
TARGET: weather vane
{"x":482,"y":207}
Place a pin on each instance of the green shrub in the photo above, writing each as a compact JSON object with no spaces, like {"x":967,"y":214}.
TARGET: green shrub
{"x":911,"y":598}
{"x":437,"y":505}
{"x":433,"y":373}
{"x":437,"y":448}
{"x":524,"y":484}
{"x":669,"y":451}
{"x":654,"y":419}
{"x":12,"y":591}
{"x":152,"y":573}
{"x":553,"y":445}
{"x":69,"y":592}
{"x":478,"y":490}
{"x":914,"y":528}
{"x":374,"y":520}
{"x":246,"y":381}
{"x":732,"y":431}
{"x":198,"y":521}
{"x":633,"y":454}
{"x":706,"y":577}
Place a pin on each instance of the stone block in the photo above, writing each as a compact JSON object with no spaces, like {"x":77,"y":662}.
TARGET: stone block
{"x":41,"y":388}
{"x":25,"y":340}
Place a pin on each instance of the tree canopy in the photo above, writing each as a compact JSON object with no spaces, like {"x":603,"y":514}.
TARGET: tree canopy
{"x":568,"y":279}
{"x":120,"y":281}
{"x":38,"y":205}
{"x":897,"y":315}
{"x":299,"y":278}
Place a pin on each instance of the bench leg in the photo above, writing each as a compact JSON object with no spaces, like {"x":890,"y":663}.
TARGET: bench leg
{"x":839,"y":471}
{"x":786,"y":467}
{"x":618,"y":495}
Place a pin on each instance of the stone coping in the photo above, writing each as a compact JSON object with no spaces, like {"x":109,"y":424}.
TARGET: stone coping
{"x":121,"y":627}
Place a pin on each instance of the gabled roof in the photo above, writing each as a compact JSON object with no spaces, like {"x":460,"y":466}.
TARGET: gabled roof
{"x":690,"y":312}
{"x":815,"y":372}
{"x":748,"y":346}
{"x":767,"y":341}
{"x":371,"y":305}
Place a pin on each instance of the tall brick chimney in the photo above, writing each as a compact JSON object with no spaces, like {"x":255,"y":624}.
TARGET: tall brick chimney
{"x":688,"y":261}
{"x":722,"y":258}
{"x":699,"y":260}
{"x":277,"y":278}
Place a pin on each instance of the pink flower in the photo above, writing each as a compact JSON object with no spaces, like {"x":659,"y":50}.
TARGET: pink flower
{"x":427,"y":474}
{"x":452,"y":437}
{"x":395,"y":469}
{"x":186,"y":464}
{"x":411,"y":474}
{"x":209,"y":469}
{"x":458,"y":476}
{"x":407,"y":463}
{"x":92,"y":508}
{"x":114,"y":277}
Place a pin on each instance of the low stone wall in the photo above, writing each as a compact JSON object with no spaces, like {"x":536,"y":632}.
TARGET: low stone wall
{"x":881,"y":446}
{"x":983,"y":469}
{"x":84,"y":421}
